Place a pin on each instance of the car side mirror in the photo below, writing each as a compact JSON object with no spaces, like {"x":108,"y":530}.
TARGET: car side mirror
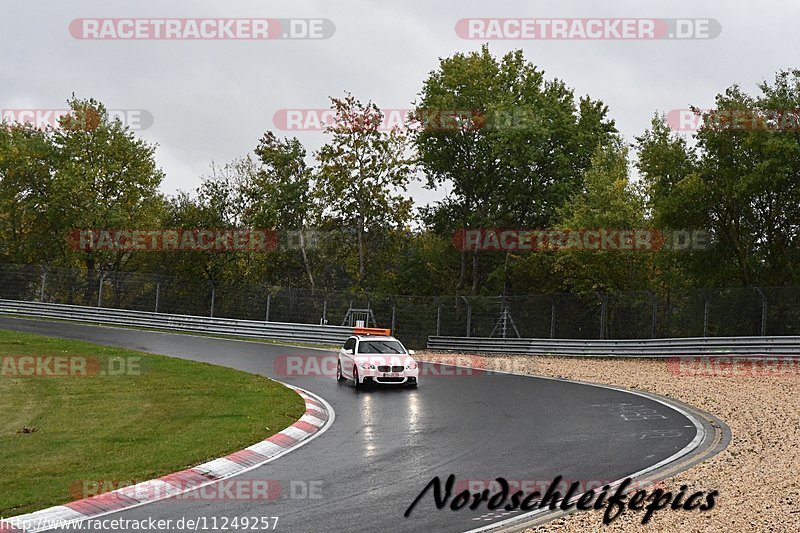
{"x":349,"y":351}
{"x":412,"y":352}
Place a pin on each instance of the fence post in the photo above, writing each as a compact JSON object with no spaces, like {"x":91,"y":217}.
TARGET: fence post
{"x":394,"y":315}
{"x":705,"y":315}
{"x":764,"y":304}
{"x":438,"y":319}
{"x":324,"y":312}
{"x":503,"y":316}
{"x":553,"y":320}
{"x":469,"y":315}
{"x":655,"y":319}
{"x":269,"y":300}
{"x":655,"y":314}
{"x":603,"y":313}
{"x":44,"y":281}
{"x":158,"y":295}
{"x":213,"y":299}
{"x":100,"y":290}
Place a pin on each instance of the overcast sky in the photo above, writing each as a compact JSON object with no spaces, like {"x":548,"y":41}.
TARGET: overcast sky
{"x":212,"y":99}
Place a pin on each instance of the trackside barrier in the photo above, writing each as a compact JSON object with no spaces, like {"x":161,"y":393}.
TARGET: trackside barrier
{"x":736,"y":346}
{"x":306,"y":333}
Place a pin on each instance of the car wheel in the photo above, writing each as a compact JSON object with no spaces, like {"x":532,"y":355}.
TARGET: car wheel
{"x":355,"y":377}
{"x":339,"y":376}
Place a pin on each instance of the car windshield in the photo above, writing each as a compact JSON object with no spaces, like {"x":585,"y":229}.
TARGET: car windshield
{"x":380,"y":347}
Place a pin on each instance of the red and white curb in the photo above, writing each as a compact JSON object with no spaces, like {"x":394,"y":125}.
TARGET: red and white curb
{"x":317,"y":419}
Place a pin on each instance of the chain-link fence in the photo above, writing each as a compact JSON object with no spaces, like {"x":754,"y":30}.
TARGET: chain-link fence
{"x":624,"y":315}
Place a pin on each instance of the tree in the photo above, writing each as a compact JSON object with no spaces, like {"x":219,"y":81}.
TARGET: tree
{"x":362,"y":174}
{"x":105,"y":177}
{"x":741,"y":183}
{"x":89,"y":172}
{"x":27,"y":222}
{"x":609,"y":201}
{"x":749,"y":181}
{"x":219,"y":202}
{"x":668,"y":168}
{"x":280,"y":193}
{"x":511,"y":145}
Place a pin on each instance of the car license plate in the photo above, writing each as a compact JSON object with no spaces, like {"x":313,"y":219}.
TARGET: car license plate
{"x":391,"y":374}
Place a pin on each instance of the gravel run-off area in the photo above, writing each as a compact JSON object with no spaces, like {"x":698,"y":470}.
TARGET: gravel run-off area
{"x":756,"y":476}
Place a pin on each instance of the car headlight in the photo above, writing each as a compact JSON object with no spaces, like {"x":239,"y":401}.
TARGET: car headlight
{"x":411,"y":366}
{"x":367,"y":366}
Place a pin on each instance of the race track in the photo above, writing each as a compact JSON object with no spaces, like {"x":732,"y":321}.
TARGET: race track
{"x":387,"y":444}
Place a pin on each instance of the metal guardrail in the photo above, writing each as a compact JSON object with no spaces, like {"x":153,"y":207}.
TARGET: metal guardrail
{"x":305,"y":333}
{"x":333,"y":335}
{"x":736,"y":346}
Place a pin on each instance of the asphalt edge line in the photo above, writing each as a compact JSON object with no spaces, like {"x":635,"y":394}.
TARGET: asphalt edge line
{"x":214,"y":471}
{"x":701,"y":436}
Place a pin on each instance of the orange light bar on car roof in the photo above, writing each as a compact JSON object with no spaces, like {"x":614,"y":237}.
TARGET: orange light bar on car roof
{"x":372,"y":331}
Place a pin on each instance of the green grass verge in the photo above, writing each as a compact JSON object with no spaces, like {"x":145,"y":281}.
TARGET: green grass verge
{"x":160,"y":416}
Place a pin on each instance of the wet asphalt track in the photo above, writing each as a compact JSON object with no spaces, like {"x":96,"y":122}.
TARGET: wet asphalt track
{"x":386,"y":444}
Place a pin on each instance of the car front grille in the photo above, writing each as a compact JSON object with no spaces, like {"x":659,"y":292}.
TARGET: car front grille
{"x":387,"y":368}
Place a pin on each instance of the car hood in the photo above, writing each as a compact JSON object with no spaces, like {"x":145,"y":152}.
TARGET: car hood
{"x":385,"y":359}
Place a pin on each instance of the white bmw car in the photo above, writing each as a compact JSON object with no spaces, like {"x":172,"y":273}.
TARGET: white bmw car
{"x":366,"y":359}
